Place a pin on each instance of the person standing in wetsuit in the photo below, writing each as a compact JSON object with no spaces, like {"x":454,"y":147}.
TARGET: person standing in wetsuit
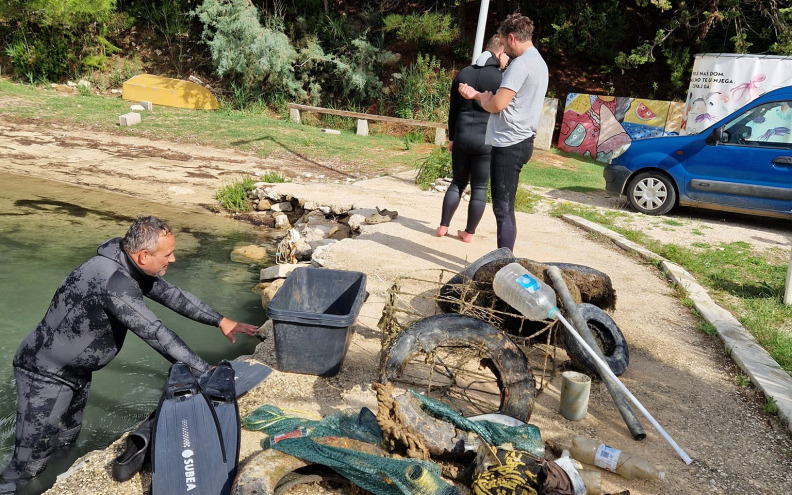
{"x":85,"y":327}
{"x":516,"y":108}
{"x":467,"y":127}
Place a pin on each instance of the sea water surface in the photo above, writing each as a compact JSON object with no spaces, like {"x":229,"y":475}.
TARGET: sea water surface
{"x":49,"y":228}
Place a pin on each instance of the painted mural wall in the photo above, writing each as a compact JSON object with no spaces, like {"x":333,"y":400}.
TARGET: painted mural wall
{"x":600,"y":127}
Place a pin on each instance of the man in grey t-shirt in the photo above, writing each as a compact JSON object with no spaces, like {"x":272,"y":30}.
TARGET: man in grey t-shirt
{"x":515,"y":108}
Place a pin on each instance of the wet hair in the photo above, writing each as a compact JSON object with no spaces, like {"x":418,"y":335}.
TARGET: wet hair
{"x":495,"y":44}
{"x":517,"y":24}
{"x":144,"y":233}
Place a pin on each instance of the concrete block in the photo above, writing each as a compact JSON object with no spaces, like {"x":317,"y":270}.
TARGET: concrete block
{"x":544,"y":132}
{"x":294,"y":115}
{"x":278,"y":271}
{"x":362,"y":127}
{"x":331,"y":131}
{"x":147,"y":105}
{"x":128,"y":119}
{"x":440,"y":136}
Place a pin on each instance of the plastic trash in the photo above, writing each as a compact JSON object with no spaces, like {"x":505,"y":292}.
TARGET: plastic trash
{"x":521,"y":290}
{"x":625,"y":464}
{"x":584,"y":481}
{"x":531,"y":297}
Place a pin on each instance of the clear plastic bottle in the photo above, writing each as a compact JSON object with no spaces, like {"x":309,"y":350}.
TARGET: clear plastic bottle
{"x":628,"y":465}
{"x":521,"y":290}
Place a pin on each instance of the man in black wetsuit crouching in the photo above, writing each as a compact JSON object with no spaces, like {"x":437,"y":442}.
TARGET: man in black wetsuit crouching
{"x":85,"y":327}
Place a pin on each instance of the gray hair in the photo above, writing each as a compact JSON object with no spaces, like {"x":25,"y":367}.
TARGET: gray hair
{"x":144,"y":233}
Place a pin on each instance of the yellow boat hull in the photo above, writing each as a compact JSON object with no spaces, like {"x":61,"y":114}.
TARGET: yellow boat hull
{"x":169,"y":92}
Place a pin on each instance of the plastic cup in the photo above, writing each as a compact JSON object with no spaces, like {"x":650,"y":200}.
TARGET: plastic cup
{"x":575,"y":390}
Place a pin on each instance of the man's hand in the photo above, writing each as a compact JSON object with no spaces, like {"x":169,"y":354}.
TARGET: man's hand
{"x":450,"y":146}
{"x":468,"y":92}
{"x":230,"y":327}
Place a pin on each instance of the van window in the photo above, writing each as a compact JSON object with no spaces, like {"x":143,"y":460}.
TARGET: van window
{"x":768,"y":125}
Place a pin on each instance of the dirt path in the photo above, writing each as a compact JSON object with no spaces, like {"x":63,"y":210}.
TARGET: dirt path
{"x":680,"y":375}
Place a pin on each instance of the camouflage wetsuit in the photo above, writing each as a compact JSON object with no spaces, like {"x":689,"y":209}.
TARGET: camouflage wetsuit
{"x":83,"y":330}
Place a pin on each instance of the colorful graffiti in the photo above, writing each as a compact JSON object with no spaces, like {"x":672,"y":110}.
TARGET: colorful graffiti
{"x":601,"y":127}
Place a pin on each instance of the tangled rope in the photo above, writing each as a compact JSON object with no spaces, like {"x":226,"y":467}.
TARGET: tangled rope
{"x":391,"y":421}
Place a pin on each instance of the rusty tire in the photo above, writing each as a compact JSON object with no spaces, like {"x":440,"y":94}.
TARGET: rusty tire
{"x":607,"y":333}
{"x":499,"y":353}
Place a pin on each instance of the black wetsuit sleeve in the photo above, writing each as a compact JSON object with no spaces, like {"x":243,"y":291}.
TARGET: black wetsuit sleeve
{"x":183,"y":303}
{"x":453,"y":109}
{"x":124,"y":302}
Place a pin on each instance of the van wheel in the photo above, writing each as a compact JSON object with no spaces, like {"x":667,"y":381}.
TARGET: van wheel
{"x":652,"y":193}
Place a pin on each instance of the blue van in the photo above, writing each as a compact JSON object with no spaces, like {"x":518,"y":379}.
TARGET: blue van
{"x":742,"y":163}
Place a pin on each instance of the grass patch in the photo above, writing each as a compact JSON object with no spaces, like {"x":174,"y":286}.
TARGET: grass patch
{"x":235,"y":196}
{"x":573,"y":173}
{"x":525,"y":201}
{"x":742,"y":380}
{"x":770,"y":406}
{"x":272,"y":177}
{"x":256,"y":133}
{"x":675,"y":223}
{"x":435,"y":166}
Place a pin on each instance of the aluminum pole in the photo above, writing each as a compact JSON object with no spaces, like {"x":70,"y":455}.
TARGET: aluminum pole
{"x":482,"y":24}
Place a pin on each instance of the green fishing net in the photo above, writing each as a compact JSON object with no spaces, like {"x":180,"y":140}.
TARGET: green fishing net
{"x":524,"y":437}
{"x":325,"y":442}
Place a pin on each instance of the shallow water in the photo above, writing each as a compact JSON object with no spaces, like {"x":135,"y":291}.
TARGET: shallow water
{"x":49,"y":228}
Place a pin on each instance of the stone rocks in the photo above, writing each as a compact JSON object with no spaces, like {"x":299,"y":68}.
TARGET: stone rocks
{"x":250,"y":253}
{"x":270,"y":290}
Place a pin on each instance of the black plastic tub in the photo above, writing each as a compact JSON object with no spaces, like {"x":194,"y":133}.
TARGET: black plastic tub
{"x":312,"y":315}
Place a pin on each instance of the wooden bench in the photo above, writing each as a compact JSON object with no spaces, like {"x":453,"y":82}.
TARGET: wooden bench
{"x":363,"y":118}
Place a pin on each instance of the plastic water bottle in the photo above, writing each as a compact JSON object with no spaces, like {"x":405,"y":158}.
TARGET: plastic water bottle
{"x":584,"y":481}
{"x":521,"y":290}
{"x":624,"y":464}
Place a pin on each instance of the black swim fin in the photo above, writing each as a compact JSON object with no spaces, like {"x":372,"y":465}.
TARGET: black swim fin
{"x":136,"y":451}
{"x":219,"y":388}
{"x":248,"y":375}
{"x":187,"y":452}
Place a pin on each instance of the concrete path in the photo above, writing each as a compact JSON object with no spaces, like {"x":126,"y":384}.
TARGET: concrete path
{"x":742,"y":347}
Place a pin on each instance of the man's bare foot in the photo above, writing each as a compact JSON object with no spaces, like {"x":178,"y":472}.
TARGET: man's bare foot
{"x":441,"y":231}
{"x":465,"y":235}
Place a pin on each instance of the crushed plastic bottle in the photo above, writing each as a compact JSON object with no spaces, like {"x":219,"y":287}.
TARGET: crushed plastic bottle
{"x":584,"y":481}
{"x":624,"y":464}
{"x":521,"y":290}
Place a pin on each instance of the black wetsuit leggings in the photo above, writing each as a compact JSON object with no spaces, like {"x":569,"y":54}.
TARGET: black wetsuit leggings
{"x":507,"y":162}
{"x":49,"y":416}
{"x":472,"y":168}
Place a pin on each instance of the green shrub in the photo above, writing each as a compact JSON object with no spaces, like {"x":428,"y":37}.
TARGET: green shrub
{"x":421,"y":91}
{"x":235,"y":196}
{"x":50,"y":39}
{"x":433,"y":167}
{"x":44,"y":59}
{"x":244,"y":50}
{"x":427,"y":31}
{"x":592,"y":31}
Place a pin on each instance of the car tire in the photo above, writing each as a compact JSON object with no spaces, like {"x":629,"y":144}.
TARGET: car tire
{"x":608,"y":335}
{"x":500,"y":354}
{"x":652,"y":193}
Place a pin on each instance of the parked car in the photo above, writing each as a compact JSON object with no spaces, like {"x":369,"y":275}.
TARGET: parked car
{"x":742,"y":163}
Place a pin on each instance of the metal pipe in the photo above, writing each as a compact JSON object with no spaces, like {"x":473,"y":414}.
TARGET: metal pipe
{"x":480,"y":28}
{"x":686,"y":458}
{"x":627,"y":414}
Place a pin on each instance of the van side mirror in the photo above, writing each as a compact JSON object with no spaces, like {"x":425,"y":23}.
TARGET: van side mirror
{"x":716,"y":137}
